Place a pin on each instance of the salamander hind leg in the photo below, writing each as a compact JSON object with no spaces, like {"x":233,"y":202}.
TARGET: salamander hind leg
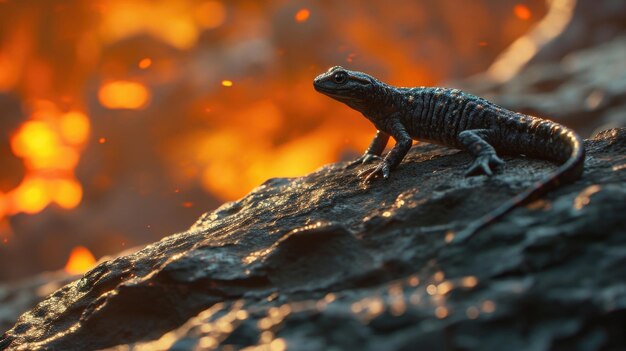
{"x":476,"y":141}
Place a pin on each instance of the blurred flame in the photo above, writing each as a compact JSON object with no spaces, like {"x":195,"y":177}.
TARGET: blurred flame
{"x":177,"y":23}
{"x":67,"y":193}
{"x":123,"y":95}
{"x":74,"y":127}
{"x":31,"y":196}
{"x":80,"y":261}
{"x":49,"y":143}
{"x":8,"y":73}
{"x":227,"y":83}
{"x":37,"y":143}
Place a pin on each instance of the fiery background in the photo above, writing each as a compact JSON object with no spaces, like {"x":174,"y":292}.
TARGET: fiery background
{"x":123,"y":121}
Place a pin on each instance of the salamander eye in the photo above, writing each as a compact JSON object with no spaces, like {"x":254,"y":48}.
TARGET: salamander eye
{"x":340,"y":77}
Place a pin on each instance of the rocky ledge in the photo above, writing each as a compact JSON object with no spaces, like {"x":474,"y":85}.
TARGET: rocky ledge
{"x":321,"y":262}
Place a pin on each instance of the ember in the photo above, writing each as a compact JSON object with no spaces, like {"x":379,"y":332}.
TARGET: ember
{"x":145,"y":63}
{"x":302,"y":15}
{"x":522,"y":12}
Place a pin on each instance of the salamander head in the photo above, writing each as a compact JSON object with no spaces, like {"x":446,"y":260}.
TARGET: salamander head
{"x":350,"y":87}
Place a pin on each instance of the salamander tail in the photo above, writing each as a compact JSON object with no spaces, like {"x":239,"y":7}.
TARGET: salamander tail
{"x":568,"y":172}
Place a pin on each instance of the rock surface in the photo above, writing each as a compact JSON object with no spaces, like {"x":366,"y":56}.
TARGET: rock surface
{"x":321,"y":262}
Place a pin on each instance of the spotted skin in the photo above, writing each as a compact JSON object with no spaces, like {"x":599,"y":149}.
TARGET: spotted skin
{"x":457,"y":119}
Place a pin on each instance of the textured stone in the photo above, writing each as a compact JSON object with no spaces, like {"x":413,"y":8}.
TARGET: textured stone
{"x":322,"y":262}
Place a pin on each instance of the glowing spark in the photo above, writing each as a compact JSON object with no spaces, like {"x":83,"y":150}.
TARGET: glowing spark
{"x":81,"y":260}
{"x":102,"y":140}
{"x":145,"y":63}
{"x":187,"y":204}
{"x":522,"y":12}
{"x":302,"y":15}
{"x":227,"y":83}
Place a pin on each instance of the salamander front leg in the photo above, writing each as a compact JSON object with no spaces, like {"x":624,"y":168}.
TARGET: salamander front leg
{"x":393,"y":158}
{"x":373,"y":152}
{"x":485,"y":157}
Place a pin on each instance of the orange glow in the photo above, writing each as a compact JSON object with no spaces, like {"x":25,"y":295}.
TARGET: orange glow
{"x":80,"y":261}
{"x":172,"y":22}
{"x":49,"y":143}
{"x":102,"y":140}
{"x":302,"y":15}
{"x":145,"y":63}
{"x":3,"y":207}
{"x":36,"y":140}
{"x":123,"y":95}
{"x":227,"y":83}
{"x":31,"y":196}
{"x":67,"y":193}
{"x":230,"y":174}
{"x":74,"y":127}
{"x":522,"y":12}
{"x":210,"y":14}
{"x":41,"y":147}
{"x":8,"y":73}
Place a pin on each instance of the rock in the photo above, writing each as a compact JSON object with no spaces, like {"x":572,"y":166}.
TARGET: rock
{"x":15,"y":298}
{"x":321,"y":262}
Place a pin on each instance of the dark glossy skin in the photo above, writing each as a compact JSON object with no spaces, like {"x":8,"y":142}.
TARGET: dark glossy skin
{"x":453,"y":118}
